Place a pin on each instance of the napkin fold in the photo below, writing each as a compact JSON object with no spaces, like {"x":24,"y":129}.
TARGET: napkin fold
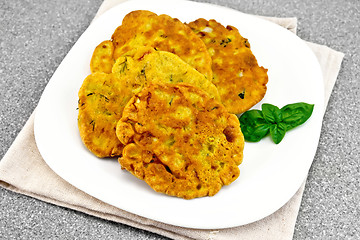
{"x":24,"y":171}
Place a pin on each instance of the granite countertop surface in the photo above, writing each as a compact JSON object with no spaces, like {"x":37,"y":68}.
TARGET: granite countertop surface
{"x":36,"y":35}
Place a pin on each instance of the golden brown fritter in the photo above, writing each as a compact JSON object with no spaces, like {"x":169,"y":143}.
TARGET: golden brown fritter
{"x":180,"y":141}
{"x":103,"y":96}
{"x":236,"y":73}
{"x":161,"y":32}
{"x":102,"y":59}
{"x":150,"y":66}
{"x":101,"y":101}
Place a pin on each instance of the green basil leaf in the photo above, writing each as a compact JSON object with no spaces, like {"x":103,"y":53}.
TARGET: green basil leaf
{"x":296,"y":114}
{"x":255,"y":134}
{"x":252,"y":117}
{"x":271,"y":113}
{"x":261,"y":131}
{"x":253,"y":125}
{"x":277,"y":132}
{"x":256,"y":124}
{"x":253,"y":114}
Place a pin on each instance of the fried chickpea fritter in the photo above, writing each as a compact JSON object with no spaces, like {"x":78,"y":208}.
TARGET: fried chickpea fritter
{"x":102,"y":59}
{"x":161,"y":32}
{"x":150,"y":66}
{"x":101,"y":101}
{"x":236,"y":73}
{"x":103,"y":96}
{"x":180,"y":141}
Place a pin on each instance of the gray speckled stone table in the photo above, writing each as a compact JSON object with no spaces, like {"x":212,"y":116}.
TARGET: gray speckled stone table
{"x":36,"y":35}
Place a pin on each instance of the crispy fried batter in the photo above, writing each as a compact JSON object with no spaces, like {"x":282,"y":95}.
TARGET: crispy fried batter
{"x":161,"y":32}
{"x":101,"y":101}
{"x":236,"y":73}
{"x":150,"y":66}
{"x":103,"y":96}
{"x":102,"y":59}
{"x":180,"y":141}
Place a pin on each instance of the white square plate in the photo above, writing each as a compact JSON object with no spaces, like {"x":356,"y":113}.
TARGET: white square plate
{"x":270,"y":174}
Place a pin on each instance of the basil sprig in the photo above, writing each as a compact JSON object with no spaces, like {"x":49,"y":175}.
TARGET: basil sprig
{"x":256,"y":124}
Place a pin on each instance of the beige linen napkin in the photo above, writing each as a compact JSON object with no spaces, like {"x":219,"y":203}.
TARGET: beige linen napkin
{"x":23,"y":170}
